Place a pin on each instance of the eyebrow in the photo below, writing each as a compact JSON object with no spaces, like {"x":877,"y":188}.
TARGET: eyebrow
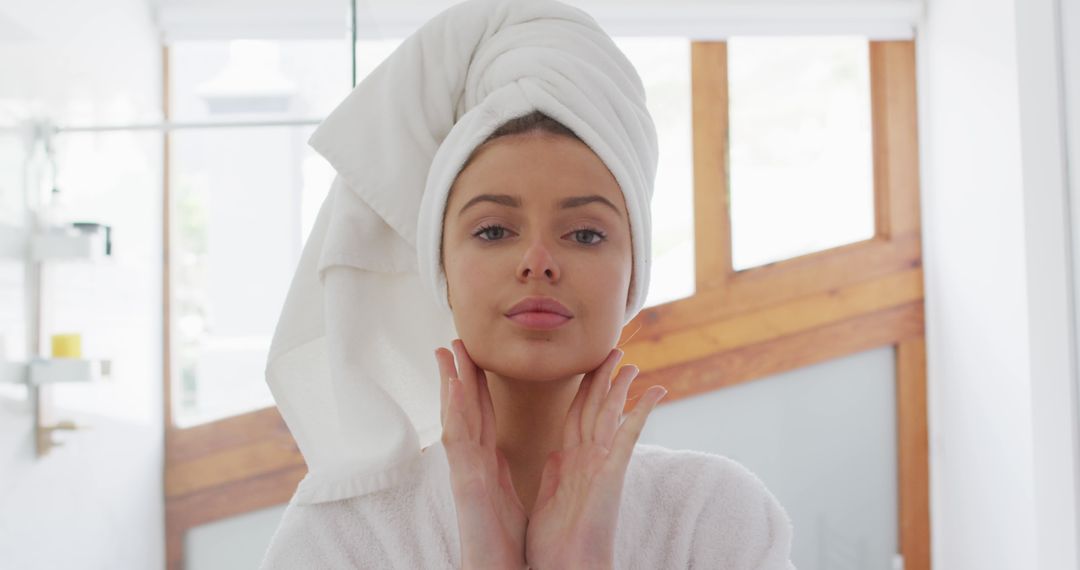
{"x":515,"y":202}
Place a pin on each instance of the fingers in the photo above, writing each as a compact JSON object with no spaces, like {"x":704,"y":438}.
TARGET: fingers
{"x":630,"y":430}
{"x":487,"y":412}
{"x":455,"y":424}
{"x":455,"y":428}
{"x":608,"y":419}
{"x":601,"y":383}
{"x":506,"y":480}
{"x":467,"y":371}
{"x":549,"y":479}
{"x":572,"y":429}
{"x":445,"y":359}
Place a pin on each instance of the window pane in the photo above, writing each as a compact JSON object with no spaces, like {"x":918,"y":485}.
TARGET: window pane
{"x":801,"y":149}
{"x":664,"y":67}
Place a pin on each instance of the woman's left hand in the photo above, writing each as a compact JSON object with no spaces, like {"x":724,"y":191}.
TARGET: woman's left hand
{"x":572,"y":524}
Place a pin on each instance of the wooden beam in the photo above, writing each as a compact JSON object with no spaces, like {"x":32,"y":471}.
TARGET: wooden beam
{"x":235,"y":464}
{"x":750,"y":362}
{"x":228,"y":433}
{"x":236,"y":497}
{"x":651,"y":352}
{"x":712,"y":222}
{"x":913,"y":446}
{"x":770,"y":285}
{"x":896,"y":147}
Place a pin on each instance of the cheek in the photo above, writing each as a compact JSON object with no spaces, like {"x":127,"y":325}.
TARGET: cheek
{"x":469,"y":274}
{"x":602,"y":285}
{"x":473,"y":284}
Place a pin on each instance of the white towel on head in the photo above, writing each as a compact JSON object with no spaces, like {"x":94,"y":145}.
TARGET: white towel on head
{"x":351,"y":365}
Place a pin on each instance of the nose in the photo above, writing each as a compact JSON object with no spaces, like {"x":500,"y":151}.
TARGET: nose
{"x":538,"y":261}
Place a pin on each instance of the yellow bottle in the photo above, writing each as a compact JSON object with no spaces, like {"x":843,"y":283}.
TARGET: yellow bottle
{"x":67,"y":345}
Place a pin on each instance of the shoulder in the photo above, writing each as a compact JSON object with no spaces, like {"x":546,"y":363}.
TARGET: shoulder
{"x":698,"y":471}
{"x":727,"y":509}
{"x":405,"y":525}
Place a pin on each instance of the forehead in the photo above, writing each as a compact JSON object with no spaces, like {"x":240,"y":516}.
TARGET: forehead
{"x":541,"y":169}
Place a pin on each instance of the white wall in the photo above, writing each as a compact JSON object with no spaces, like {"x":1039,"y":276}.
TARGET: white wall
{"x":1002,"y":403}
{"x":97,"y":501}
{"x":1070,"y":25}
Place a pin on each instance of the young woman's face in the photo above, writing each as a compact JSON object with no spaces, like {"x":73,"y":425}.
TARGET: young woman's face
{"x":537,"y":215}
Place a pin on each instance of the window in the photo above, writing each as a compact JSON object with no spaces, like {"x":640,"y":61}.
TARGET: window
{"x":664,"y":67}
{"x":802,"y":172}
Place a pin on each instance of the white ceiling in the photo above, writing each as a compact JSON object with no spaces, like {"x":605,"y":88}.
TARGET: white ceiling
{"x":699,"y":19}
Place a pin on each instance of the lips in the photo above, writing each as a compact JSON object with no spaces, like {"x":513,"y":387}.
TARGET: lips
{"x":539,"y":305}
{"x":542,"y":313}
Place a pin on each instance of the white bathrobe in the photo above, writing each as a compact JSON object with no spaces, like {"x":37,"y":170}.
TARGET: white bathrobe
{"x":680,"y":509}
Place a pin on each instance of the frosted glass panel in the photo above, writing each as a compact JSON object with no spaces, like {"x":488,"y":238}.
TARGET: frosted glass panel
{"x":235,"y":542}
{"x":801,"y":150}
{"x":822,"y":438}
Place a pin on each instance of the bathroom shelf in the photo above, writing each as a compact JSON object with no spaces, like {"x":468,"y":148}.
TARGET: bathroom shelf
{"x":68,"y":245}
{"x":60,"y":243}
{"x":55,"y":370}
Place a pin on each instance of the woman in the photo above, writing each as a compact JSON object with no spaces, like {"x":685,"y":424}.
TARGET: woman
{"x":536,"y":453}
{"x":510,"y":240}
{"x":526,"y":244}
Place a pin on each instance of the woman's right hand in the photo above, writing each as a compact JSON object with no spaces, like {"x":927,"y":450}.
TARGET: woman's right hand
{"x":491,"y":518}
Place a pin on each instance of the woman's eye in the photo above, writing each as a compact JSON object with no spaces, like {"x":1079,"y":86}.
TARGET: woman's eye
{"x":588,"y":235}
{"x":489,"y":230}
{"x":583,"y":236}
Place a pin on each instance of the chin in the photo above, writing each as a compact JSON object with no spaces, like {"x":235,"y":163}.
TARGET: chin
{"x":535,"y":357}
{"x":533,"y":373}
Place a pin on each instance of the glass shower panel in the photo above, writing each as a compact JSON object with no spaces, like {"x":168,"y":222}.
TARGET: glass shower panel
{"x":12,"y":191}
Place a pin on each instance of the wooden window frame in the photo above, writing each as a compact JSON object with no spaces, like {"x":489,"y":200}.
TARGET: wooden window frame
{"x":738,"y":326}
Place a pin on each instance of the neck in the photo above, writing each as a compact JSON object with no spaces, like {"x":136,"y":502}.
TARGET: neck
{"x":529,"y":425}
